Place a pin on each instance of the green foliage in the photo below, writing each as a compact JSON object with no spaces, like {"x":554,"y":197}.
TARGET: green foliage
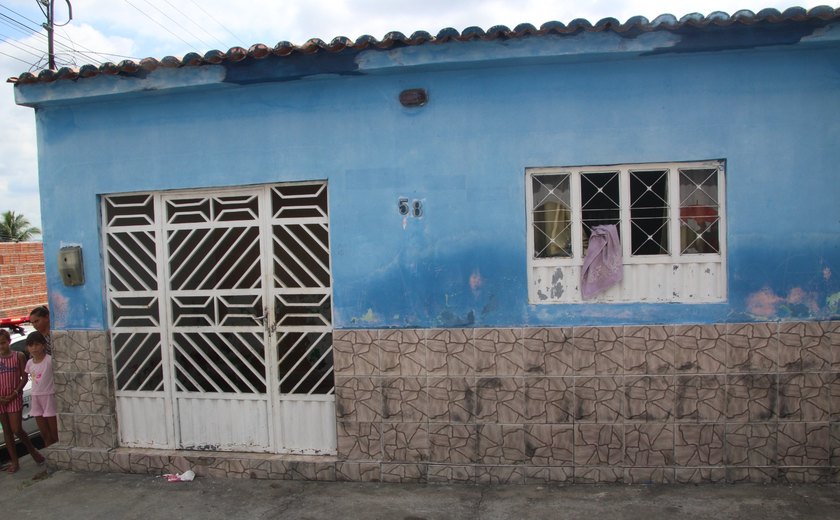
{"x":16,"y":228}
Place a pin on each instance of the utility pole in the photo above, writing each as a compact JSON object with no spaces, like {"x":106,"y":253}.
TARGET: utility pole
{"x":48,"y":8}
{"x":49,"y":27}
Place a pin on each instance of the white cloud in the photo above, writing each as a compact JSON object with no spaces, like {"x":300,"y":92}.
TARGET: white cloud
{"x":18,"y":167}
{"x":175,"y":27}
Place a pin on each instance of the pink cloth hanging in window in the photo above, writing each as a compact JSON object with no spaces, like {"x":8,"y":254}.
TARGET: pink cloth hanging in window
{"x":602,"y":267}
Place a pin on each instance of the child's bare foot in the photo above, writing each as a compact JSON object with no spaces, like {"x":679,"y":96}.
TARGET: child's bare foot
{"x":12,"y":468}
{"x":38,"y":458}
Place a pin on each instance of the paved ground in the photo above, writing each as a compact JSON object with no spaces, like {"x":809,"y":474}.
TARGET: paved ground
{"x":33,"y":493}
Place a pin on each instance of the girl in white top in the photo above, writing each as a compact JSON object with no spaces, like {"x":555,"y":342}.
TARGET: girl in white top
{"x":40,"y":370}
{"x":12,"y":382}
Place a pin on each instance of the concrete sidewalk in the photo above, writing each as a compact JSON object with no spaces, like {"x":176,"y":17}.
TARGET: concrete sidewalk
{"x":34,"y":493}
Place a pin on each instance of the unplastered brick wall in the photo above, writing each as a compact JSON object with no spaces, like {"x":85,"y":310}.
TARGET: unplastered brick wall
{"x":23,"y":282}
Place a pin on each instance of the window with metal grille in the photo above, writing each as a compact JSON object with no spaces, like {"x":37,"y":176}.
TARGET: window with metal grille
{"x":665,"y":214}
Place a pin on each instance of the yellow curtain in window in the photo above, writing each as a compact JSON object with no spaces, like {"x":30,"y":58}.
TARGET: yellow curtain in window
{"x":557,"y":226}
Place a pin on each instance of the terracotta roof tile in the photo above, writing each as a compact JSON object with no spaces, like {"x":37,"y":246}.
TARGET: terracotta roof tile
{"x":397,"y":39}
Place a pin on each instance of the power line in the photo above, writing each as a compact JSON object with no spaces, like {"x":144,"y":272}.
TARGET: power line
{"x":30,"y":31}
{"x":69,"y":13}
{"x":106,"y":54}
{"x":44,"y":36}
{"x":15,"y":27}
{"x":220,"y":24}
{"x":19,"y":23}
{"x":15,"y":58}
{"x":185,"y":15}
{"x":177,"y":24}
{"x":161,"y":25}
{"x":22,"y":16}
{"x":38,"y":65}
{"x":15,"y":43}
{"x":89,"y":55}
{"x":74,"y":51}
{"x":18,"y":47}
{"x":85,"y":52}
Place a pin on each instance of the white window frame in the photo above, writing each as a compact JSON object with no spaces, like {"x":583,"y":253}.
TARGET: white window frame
{"x":673,"y":277}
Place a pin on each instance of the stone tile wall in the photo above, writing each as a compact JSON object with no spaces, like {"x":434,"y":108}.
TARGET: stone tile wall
{"x":756,"y":402}
{"x":84,"y":391}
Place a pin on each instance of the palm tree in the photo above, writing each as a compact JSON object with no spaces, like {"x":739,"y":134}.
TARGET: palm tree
{"x":16,"y":228}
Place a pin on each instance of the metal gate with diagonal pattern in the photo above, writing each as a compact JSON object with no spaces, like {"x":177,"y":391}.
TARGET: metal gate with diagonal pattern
{"x":199,"y":284}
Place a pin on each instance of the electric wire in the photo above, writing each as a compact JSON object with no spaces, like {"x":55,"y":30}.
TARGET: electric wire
{"x":9,"y":18}
{"x":69,"y":53}
{"x":187,"y":17}
{"x":59,"y":43}
{"x":22,"y":16}
{"x":16,"y":46}
{"x":207,"y":45}
{"x":15,"y":58}
{"x":16,"y":27}
{"x":69,"y":17}
{"x":220,"y":24}
{"x":20,"y":27}
{"x":62,"y":50}
{"x":88,"y":55}
{"x":74,"y":50}
{"x":161,"y":25}
{"x":16,"y":43}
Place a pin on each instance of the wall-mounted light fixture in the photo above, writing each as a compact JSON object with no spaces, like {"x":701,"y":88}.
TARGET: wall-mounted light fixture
{"x":414,"y":97}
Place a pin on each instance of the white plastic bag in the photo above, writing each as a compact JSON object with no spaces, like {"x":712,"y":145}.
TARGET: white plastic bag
{"x":186,"y":476}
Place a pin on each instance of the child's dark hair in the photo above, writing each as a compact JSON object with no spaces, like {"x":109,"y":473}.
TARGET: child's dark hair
{"x":35,"y":337}
{"x":41,"y":312}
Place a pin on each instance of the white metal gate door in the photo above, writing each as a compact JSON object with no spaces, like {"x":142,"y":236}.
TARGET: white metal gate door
{"x":301,"y":293}
{"x":220,"y":313}
{"x":215,"y":296}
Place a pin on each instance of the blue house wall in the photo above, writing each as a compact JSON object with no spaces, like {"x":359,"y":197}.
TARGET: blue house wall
{"x":495,"y":108}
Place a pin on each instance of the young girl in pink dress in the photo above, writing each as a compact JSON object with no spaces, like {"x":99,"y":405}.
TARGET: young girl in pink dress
{"x":40,"y":370}
{"x":12,"y":381}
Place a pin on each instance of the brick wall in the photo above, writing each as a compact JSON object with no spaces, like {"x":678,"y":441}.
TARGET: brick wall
{"x":23,"y":282}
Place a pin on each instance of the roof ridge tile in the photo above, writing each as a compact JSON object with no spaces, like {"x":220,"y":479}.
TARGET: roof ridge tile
{"x":396,"y":39}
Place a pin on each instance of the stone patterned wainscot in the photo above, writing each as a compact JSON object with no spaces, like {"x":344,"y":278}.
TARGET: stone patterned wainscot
{"x":737,"y":402}
{"x":85,"y":391}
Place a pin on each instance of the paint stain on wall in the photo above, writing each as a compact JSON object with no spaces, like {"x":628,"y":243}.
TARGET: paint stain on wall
{"x":798,"y":302}
{"x":557,"y":289}
{"x":833,"y":303}
{"x":59,"y":311}
{"x":449,"y":319}
{"x":492,"y":306}
{"x":368,"y":317}
{"x":476,"y":282}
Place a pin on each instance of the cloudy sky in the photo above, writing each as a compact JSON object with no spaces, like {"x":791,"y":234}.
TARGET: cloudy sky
{"x":112,"y":30}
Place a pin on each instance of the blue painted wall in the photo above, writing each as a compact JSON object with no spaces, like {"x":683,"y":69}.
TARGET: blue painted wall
{"x":770,"y":113}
